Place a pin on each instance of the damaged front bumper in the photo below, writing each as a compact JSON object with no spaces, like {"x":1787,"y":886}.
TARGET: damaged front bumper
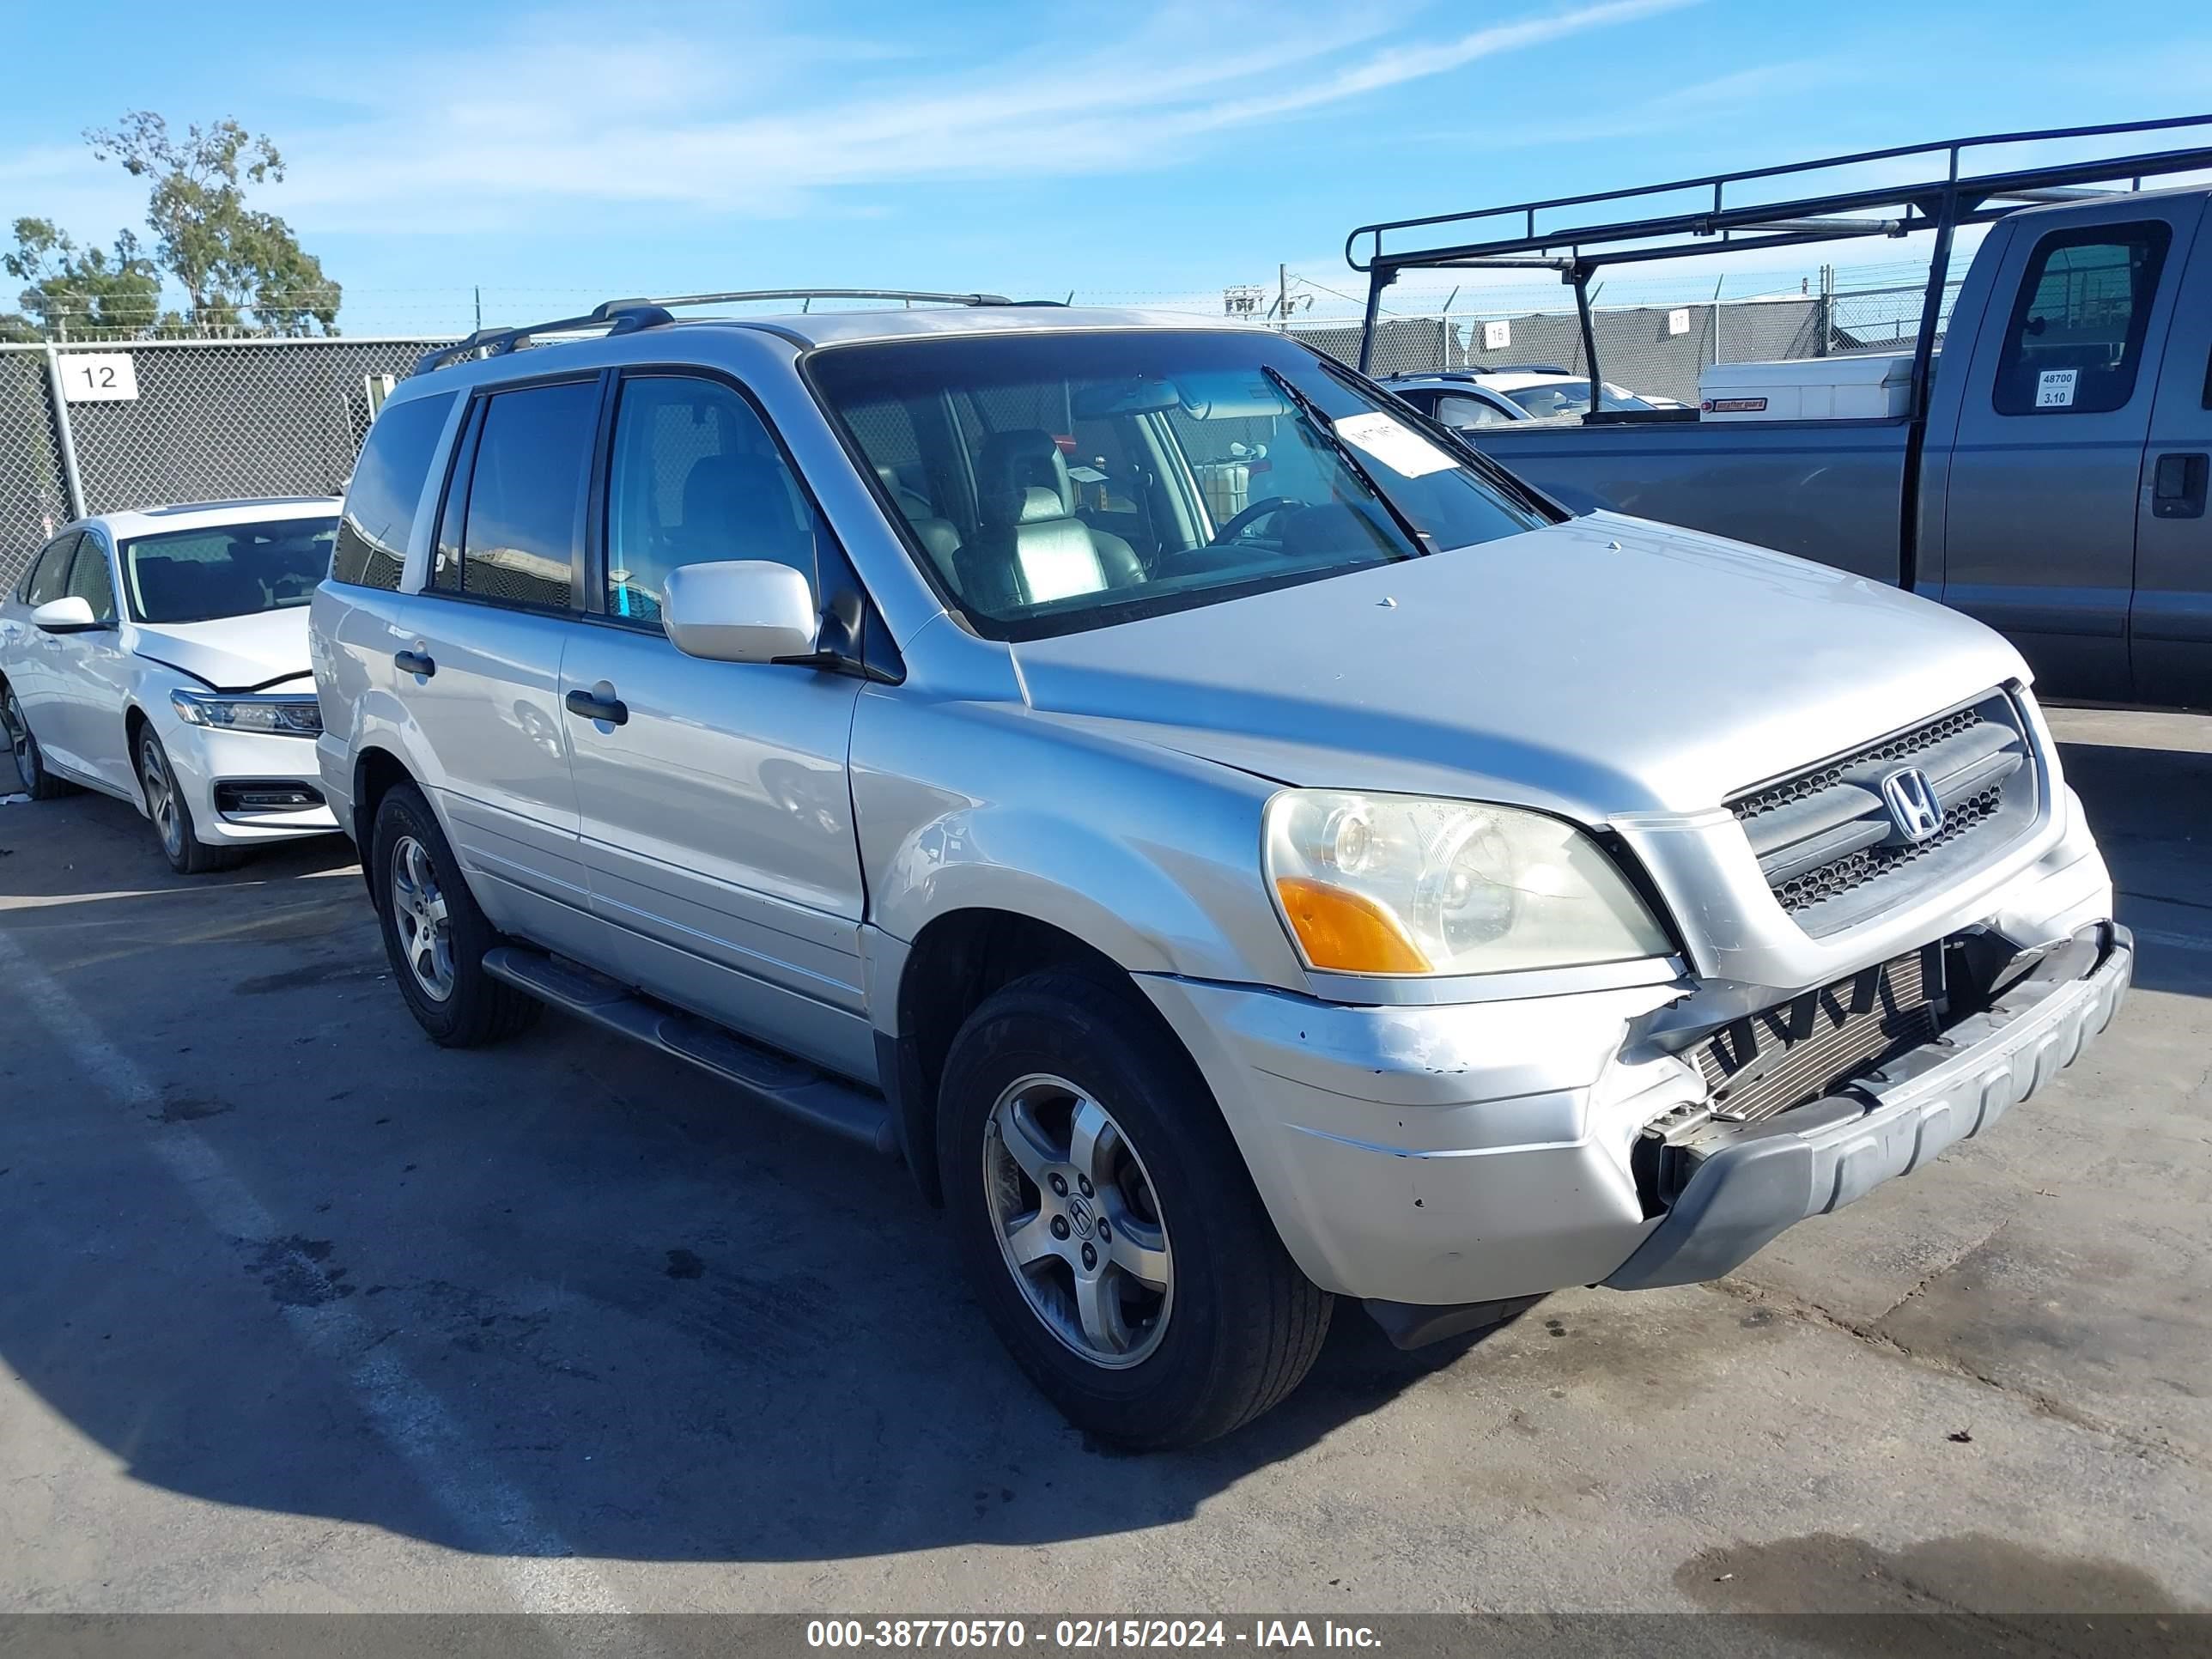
{"x":1748,"y":1182}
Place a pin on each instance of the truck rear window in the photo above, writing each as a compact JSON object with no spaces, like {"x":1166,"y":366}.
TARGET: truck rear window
{"x":2076,"y":333}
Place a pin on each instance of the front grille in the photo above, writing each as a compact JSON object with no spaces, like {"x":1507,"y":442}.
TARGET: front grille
{"x":1826,"y":842}
{"x":1815,"y":1044}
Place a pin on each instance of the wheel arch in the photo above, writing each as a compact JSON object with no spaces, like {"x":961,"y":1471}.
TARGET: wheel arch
{"x":956,"y":961}
{"x":376,"y":771}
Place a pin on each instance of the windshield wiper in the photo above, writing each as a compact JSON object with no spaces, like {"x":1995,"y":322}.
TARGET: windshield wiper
{"x":1321,"y":424}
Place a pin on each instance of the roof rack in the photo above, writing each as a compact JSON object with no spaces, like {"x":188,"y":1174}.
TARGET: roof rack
{"x":1576,"y":245}
{"x":628,"y":316}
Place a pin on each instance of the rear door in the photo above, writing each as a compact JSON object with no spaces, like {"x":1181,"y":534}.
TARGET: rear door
{"x":31,"y":658}
{"x":2170,"y":630}
{"x":482,"y":673}
{"x":2040,"y":517}
{"x":92,"y":673}
{"x":717,"y":817}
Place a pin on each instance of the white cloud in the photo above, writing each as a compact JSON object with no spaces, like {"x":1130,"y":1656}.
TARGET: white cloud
{"x":510,"y":132}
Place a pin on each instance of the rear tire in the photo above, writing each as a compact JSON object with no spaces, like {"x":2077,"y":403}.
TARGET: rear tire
{"x":433,"y":931}
{"x":172,"y":815}
{"x":1156,"y":1306}
{"x":30,"y":764}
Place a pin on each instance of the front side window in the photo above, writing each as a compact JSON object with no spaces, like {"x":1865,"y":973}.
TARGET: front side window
{"x":1551,"y":398}
{"x":226,"y":570}
{"x":2075,"y":338}
{"x":1456,"y":411}
{"x":387,"y":483}
{"x":518,"y":533}
{"x":49,"y":571}
{"x":1093,"y":477}
{"x":695,"y":478}
{"x":89,"y":580}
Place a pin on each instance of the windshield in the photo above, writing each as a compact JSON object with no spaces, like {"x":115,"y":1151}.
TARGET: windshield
{"x":227,"y":570}
{"x":1052,"y":482}
{"x":1572,"y":398}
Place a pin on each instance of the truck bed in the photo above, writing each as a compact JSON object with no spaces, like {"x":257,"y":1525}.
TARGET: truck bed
{"x":1829,"y":490}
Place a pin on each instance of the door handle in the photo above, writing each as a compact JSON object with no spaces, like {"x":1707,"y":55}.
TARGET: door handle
{"x":2178,"y":486}
{"x":414,"y":662}
{"x":599,"y":703}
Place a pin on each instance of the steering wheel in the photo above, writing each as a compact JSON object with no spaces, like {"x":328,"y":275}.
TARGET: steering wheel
{"x":1251,"y":515}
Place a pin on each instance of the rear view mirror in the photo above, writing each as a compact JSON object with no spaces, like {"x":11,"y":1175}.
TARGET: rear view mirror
{"x":740,"y":611}
{"x":68,"y":615}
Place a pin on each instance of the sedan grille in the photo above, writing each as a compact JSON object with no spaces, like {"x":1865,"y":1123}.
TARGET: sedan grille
{"x":1829,"y":846}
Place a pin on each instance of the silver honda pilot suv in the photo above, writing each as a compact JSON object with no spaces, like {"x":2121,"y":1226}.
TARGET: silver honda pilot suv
{"x":1239,"y":846}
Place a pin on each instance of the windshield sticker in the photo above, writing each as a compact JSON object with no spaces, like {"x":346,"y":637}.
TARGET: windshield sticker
{"x":2054,"y":388}
{"x":1397,"y":446}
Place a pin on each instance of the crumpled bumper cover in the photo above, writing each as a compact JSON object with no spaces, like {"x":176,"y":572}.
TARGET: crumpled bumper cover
{"x":1756,"y":1180}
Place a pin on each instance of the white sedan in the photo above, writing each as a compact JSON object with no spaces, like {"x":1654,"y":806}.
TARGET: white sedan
{"x":161,"y":656}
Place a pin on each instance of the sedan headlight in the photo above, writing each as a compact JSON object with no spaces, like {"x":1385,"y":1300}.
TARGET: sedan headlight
{"x":1406,"y":884}
{"x":288,"y":717}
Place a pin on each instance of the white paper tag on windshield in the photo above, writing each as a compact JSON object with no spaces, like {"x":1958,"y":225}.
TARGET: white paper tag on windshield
{"x":2054,"y":388}
{"x":1394,"y":444}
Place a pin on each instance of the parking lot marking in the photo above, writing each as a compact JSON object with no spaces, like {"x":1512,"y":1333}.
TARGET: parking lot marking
{"x":535,"y":1563}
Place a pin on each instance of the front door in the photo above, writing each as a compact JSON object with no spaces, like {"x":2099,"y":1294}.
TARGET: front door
{"x":2170,"y":634}
{"x":481,"y":670}
{"x":2039,"y":524}
{"x":717,"y":820}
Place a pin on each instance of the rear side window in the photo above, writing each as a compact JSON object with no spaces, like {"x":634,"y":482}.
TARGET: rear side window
{"x":43,"y":582}
{"x":89,"y":580}
{"x":387,"y":482}
{"x":526,"y":486}
{"x":2075,"y":337}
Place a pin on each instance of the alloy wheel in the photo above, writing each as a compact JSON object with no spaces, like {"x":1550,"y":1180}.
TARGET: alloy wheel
{"x":419,"y":913}
{"x":161,"y":804}
{"x":1078,"y":1221}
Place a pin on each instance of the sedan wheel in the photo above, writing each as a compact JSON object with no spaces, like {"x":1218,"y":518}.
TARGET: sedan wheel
{"x":420,"y":912}
{"x":162,"y":803}
{"x":1078,"y":1221}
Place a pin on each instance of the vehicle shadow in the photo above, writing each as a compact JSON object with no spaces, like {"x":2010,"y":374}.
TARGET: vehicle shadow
{"x":2151,"y":808}
{"x":679,"y":1328}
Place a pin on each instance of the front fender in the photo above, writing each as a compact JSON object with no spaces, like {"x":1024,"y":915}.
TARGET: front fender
{"x":1149,"y":856}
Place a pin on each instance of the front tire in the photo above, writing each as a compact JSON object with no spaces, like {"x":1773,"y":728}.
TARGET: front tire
{"x":433,"y":931}
{"x":30,"y":765}
{"x":1108,"y":1223}
{"x":172,"y":815}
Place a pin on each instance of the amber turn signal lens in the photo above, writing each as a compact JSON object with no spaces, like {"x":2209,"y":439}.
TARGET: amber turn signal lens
{"x":1347,"y":934}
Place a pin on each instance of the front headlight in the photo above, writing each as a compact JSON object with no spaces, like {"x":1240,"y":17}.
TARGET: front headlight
{"x":1406,"y":884}
{"x":288,"y":717}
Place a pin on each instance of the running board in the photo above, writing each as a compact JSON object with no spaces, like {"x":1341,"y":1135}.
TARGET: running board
{"x":791,"y":1086}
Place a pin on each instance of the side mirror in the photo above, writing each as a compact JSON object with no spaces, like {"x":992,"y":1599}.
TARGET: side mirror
{"x":740,"y":611}
{"x":68,"y":615}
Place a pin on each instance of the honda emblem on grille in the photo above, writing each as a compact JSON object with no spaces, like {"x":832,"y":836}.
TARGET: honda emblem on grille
{"x":1913,"y":804}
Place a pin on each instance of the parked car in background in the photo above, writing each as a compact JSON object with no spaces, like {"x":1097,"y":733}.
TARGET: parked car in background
{"x":1456,"y":399}
{"x":1548,"y":396}
{"x":1373,"y":892}
{"x":161,"y":656}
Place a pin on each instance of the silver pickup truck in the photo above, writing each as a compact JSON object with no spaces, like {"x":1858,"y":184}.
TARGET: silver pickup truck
{"x":1354,"y":878}
{"x":2049,"y":476}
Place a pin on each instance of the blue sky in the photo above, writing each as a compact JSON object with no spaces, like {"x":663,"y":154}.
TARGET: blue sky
{"x":553,"y":155}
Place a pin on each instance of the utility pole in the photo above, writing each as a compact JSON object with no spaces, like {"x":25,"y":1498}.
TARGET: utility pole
{"x":1283,"y":298}
{"x":479,"y":293}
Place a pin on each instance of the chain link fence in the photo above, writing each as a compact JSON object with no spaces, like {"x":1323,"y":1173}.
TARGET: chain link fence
{"x":204,"y":420}
{"x":1657,"y":350}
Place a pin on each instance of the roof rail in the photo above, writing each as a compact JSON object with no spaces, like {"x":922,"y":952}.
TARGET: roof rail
{"x":614,"y":306}
{"x":628,"y":316}
{"x":1578,"y":245}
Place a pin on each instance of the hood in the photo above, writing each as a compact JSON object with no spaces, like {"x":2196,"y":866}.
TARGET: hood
{"x":233,"y":653}
{"x":1604,"y":667}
